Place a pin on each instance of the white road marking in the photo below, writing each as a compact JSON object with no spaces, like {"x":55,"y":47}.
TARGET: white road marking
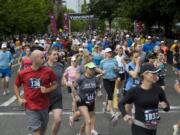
{"x":11,"y":100}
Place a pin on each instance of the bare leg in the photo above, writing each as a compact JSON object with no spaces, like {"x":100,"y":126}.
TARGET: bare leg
{"x":38,"y":132}
{"x":57,"y":113}
{"x":85,"y":114}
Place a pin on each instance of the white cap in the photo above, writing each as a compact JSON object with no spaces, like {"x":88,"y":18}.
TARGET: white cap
{"x":162,"y":42}
{"x":93,"y":40}
{"x":73,"y":58}
{"x":4,"y":45}
{"x":108,"y":50}
{"x":57,"y":38}
{"x":127,"y":36}
{"x":175,"y":41}
{"x":118,"y":46}
{"x":149,"y":37}
{"x":36,"y":41}
{"x":81,"y":49}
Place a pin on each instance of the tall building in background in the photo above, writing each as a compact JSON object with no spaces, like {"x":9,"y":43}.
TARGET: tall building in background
{"x":75,"y":4}
{"x":79,"y":3}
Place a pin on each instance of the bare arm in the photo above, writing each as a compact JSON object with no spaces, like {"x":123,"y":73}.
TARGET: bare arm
{"x":177,"y":87}
{"x":17,"y":94}
{"x":50,"y":89}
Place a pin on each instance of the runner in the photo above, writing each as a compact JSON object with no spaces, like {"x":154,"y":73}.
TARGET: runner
{"x":37,"y":81}
{"x":85,"y":97}
{"x":110,"y":69}
{"x":6,"y":61}
{"x":146,"y":98}
{"x":71,"y":74}
{"x":25,"y":61}
{"x":55,"y":96}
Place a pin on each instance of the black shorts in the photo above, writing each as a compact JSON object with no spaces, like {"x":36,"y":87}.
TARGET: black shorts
{"x":56,"y":103}
{"x":136,"y":130}
{"x":69,"y":90}
{"x":122,"y":76}
{"x":90,"y":106}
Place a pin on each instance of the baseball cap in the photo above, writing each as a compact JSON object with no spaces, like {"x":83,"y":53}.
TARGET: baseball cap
{"x":90,"y":65}
{"x":127,"y":35}
{"x":149,"y":37}
{"x":36,"y":41}
{"x":73,"y":58}
{"x":93,"y":40}
{"x":4,"y":45}
{"x":108,"y":50}
{"x":148,"y":68}
{"x":96,"y":46}
{"x":81,"y":49}
{"x":162,"y":42}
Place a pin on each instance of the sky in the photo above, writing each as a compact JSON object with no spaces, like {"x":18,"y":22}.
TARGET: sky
{"x":72,"y":4}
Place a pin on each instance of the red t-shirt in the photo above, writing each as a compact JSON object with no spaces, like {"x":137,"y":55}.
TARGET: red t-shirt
{"x":31,"y":81}
{"x":26,"y":62}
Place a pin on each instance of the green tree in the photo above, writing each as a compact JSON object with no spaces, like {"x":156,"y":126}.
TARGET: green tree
{"x":24,"y":16}
{"x":104,"y":9}
{"x":153,"y":12}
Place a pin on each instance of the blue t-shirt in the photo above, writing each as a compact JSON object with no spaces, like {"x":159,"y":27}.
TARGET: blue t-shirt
{"x":108,"y":66}
{"x":5,"y":59}
{"x":97,"y":57}
{"x":130,"y":81}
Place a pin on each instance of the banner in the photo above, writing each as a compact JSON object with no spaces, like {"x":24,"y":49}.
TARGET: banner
{"x":78,"y":16}
{"x":53,"y":23}
{"x":66,"y":23}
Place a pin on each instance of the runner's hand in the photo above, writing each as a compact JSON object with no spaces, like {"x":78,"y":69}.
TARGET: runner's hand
{"x":44,"y":89}
{"x":163,"y":105}
{"x":21,"y":101}
{"x":128,"y":118}
{"x":77,"y":98}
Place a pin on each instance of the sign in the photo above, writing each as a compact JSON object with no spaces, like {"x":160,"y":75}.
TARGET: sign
{"x":66,"y":22}
{"x":53,"y":23}
{"x":80,"y":16}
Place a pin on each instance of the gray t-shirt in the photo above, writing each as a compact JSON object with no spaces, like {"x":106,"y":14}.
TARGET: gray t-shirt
{"x":87,"y":88}
{"x":58,"y":68}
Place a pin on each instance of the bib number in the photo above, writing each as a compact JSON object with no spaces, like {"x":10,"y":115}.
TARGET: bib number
{"x":136,"y":82}
{"x":151,"y":118}
{"x":90,"y":97}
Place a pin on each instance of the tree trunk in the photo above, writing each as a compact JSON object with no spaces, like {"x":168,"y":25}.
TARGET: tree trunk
{"x":110,"y":24}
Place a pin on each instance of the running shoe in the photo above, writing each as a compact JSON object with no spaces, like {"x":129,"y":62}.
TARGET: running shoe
{"x":104,"y":109}
{"x":175,"y":130}
{"x":4,"y":93}
{"x":94,"y":132}
{"x":7,"y":91}
{"x":114,"y":120}
{"x":99,"y":93}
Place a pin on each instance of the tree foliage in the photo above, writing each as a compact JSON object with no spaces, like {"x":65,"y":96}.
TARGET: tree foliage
{"x":24,"y":16}
{"x":152,"y":12}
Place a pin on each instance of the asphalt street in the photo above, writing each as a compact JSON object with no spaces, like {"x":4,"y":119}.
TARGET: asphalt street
{"x":13,"y":119}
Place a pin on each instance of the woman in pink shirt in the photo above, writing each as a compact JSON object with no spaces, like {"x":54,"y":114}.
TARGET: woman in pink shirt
{"x":25,"y":61}
{"x":71,"y":74}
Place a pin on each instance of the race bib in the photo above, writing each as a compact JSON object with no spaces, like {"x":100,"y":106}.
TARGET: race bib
{"x":151,"y":118}
{"x":136,"y":82}
{"x":90,"y":97}
{"x":121,"y":70}
{"x":35,"y":83}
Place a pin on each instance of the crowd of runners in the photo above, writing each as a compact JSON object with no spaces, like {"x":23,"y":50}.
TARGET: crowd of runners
{"x":131,"y":69}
